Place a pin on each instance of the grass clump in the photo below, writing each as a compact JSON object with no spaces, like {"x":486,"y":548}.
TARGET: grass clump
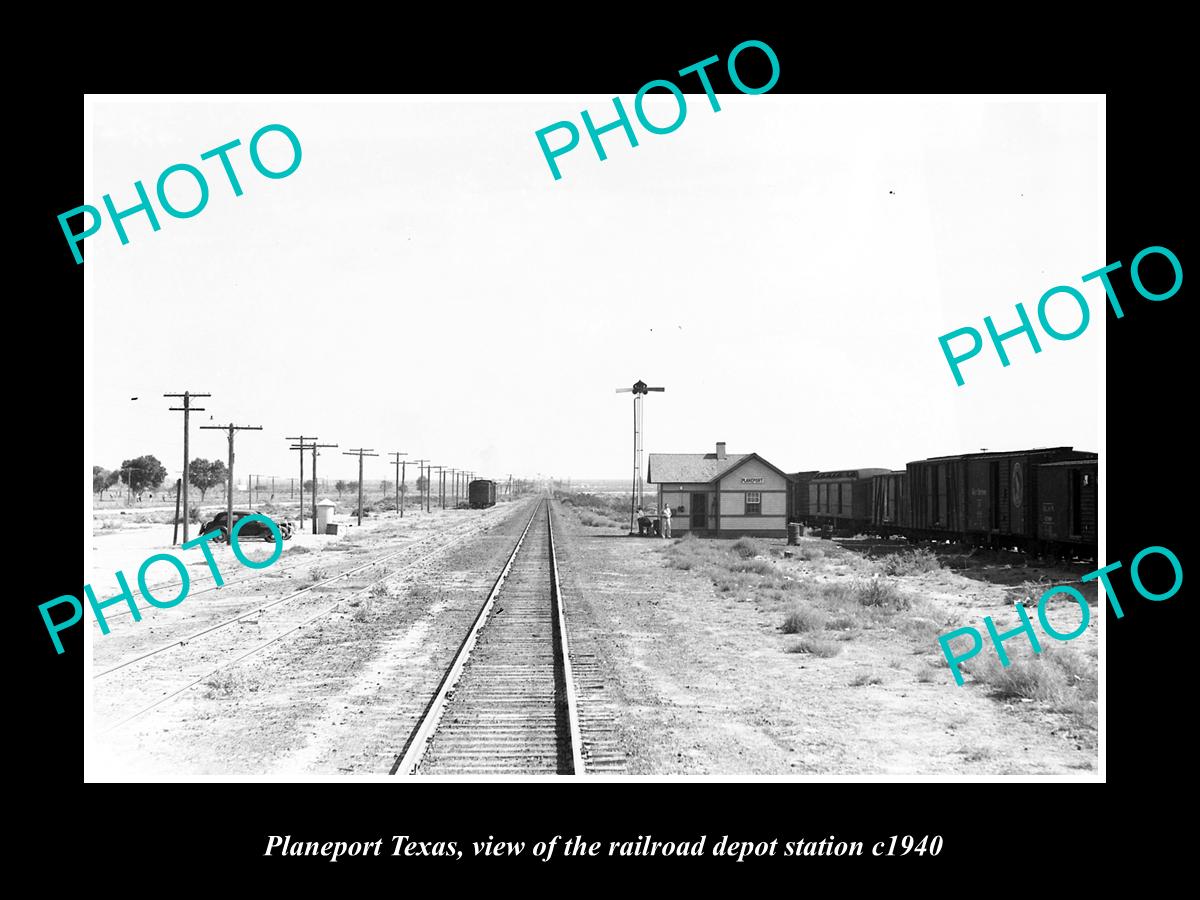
{"x":927,"y":674}
{"x":316,"y":574}
{"x":754,"y":566}
{"x":747,"y":547}
{"x":879,"y":593}
{"x":816,"y":646}
{"x":597,"y":510}
{"x":909,"y":562}
{"x":1063,"y":678}
{"x":865,"y":679}
{"x":803,"y":618}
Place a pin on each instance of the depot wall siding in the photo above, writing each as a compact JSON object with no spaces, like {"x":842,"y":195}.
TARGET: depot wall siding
{"x":774,"y":503}
{"x":679,"y":497}
{"x":753,"y":475}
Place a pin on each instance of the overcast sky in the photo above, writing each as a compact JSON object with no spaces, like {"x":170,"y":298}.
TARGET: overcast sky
{"x":783,"y":267}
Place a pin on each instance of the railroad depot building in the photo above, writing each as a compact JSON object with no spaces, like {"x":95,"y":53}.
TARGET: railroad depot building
{"x":721,"y":494}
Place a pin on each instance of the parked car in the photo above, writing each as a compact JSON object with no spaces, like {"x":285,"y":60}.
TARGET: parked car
{"x":252,"y":529}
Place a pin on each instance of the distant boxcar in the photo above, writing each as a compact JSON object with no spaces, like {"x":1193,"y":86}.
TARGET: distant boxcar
{"x":481,"y":493}
{"x":981,"y":497}
{"x":798,"y":495}
{"x":842,"y":500}
{"x":1068,"y":507}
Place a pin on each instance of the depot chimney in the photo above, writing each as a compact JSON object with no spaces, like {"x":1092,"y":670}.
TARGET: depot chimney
{"x":720,"y":449}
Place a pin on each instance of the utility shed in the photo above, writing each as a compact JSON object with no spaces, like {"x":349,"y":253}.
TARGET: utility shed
{"x":721,"y":494}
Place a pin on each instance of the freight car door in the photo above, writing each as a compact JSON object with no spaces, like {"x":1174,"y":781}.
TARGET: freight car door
{"x":978,"y":505}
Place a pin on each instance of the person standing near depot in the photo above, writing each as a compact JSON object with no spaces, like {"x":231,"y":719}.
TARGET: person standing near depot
{"x":666,"y":520}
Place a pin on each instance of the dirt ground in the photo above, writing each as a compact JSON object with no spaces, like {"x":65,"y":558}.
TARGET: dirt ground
{"x":339,"y":695}
{"x":676,"y":676}
{"x":706,"y":684}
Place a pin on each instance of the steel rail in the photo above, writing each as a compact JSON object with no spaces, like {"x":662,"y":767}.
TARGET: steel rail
{"x":568,"y":677}
{"x":245,"y":615}
{"x":418,"y":738}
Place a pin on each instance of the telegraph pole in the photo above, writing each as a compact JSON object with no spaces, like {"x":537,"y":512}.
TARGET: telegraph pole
{"x":314,"y":490}
{"x":396,"y":462}
{"x":185,"y":409}
{"x":440,"y":470}
{"x":420,"y":470}
{"x":230,"y":429}
{"x":360,"y":454}
{"x":302,"y":446}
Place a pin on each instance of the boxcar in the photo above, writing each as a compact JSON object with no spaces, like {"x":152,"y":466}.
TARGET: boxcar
{"x":481,"y":493}
{"x":889,"y":502}
{"x":1068,"y":507}
{"x":981,"y":498}
{"x":798,"y":496}
{"x":842,"y":500}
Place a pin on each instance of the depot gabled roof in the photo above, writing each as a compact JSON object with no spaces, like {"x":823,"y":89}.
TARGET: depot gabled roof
{"x":698,"y":468}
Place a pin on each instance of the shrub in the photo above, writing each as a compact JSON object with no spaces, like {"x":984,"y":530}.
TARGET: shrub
{"x":816,"y":647}
{"x":1022,"y":679}
{"x":746,"y":547}
{"x":811,"y":553}
{"x":876,"y":592}
{"x":922,"y":629}
{"x":910,"y":562}
{"x":864,"y":679}
{"x":756,"y":566}
{"x":927,"y":674}
{"x":841,"y":622}
{"x":803,"y":618}
{"x":317,"y":574}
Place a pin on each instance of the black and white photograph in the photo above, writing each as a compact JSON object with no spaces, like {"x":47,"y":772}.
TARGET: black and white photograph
{"x":528,"y":436}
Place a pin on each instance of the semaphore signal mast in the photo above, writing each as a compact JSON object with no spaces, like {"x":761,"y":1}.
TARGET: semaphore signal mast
{"x":639,"y":390}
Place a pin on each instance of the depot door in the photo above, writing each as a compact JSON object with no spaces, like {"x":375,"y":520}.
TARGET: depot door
{"x":699,"y":511}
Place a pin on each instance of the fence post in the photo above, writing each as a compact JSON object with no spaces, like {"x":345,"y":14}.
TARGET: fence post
{"x":175,"y":534}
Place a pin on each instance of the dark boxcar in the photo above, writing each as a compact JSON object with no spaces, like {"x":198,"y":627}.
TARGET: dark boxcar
{"x":1068,"y":506}
{"x":842,"y":499}
{"x":980,"y":497}
{"x":481,"y":493}
{"x":798,"y":496}
{"x":889,"y":501}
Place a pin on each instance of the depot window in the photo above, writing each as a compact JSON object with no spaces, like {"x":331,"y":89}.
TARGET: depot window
{"x":754,"y":503}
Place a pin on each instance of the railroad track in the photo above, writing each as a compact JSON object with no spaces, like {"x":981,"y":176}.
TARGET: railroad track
{"x":208,"y":584}
{"x":455,"y":535}
{"x":506,"y":704}
{"x":458,"y":536}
